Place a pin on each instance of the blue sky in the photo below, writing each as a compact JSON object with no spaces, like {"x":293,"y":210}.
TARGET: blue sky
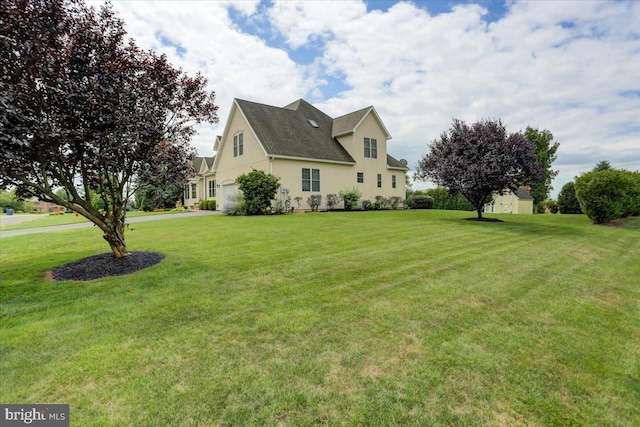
{"x":568,"y":66}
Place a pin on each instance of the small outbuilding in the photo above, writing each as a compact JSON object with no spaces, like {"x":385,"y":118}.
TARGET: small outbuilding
{"x":518,"y":202}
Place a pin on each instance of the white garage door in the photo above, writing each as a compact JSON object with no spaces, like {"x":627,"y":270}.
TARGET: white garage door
{"x":227,"y":191}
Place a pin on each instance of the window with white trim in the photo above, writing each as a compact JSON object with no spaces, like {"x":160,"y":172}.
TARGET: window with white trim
{"x":238,"y":145}
{"x":212,"y":188}
{"x":379,"y":180}
{"x":185,"y":191}
{"x":310,"y":179}
{"x":360,"y":177}
{"x":393,"y":181}
{"x":371,"y":148}
{"x":194,"y":191}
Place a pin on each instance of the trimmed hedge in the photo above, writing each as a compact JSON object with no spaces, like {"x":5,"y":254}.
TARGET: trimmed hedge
{"x":609,"y":194}
{"x":420,"y":202}
{"x":207,"y":205}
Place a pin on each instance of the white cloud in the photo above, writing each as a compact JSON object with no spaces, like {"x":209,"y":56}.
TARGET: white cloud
{"x":237,"y":65}
{"x":570,"y":67}
{"x":555,"y":65}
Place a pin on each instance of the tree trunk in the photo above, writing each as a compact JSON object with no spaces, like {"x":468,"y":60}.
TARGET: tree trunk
{"x":479,"y":209}
{"x":116,"y":241}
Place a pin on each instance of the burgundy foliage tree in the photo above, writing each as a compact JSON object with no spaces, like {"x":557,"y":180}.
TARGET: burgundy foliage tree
{"x":478,"y":160}
{"x":161,"y":184}
{"x":84,"y":110}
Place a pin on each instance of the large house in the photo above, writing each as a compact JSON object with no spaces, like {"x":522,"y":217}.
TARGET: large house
{"x":309,"y":151}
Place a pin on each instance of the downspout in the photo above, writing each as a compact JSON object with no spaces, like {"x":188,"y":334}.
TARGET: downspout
{"x":271,"y":173}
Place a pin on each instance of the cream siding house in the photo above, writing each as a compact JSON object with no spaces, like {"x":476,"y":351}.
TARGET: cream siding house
{"x":309,"y":151}
{"x":518,"y":202}
{"x":201,"y":186}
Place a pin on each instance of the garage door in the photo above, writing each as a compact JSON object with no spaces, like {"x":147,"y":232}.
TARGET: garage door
{"x":227,"y":192}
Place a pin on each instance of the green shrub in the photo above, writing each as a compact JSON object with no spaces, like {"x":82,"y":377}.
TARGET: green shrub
{"x":608,"y":194}
{"x":567,"y":200}
{"x":236,"y":206}
{"x":278,"y":207}
{"x":333,"y":200}
{"x":314,"y":202}
{"x":420,"y":202}
{"x":550,"y":206}
{"x":366,"y":205}
{"x":350,"y":198}
{"x":442,"y":199}
{"x":211,"y":205}
{"x":202,"y":205}
{"x":179,"y":209}
{"x":394,"y":202}
{"x":258,"y":190}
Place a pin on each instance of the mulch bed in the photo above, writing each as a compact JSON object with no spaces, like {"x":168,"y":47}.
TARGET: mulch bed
{"x":105,"y":265}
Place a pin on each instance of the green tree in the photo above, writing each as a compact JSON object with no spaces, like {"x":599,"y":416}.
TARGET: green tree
{"x":546,"y":150}
{"x":602,"y":165}
{"x":8,"y":200}
{"x":567,"y":200}
{"x":258,"y":190}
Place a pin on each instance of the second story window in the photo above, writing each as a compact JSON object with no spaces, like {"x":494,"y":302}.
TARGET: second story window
{"x":238,"y":145}
{"x":371,"y":148}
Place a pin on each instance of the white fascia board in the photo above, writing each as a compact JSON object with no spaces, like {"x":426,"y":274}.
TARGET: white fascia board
{"x":252,"y":131}
{"x":307,"y":159}
{"x":377,"y":117}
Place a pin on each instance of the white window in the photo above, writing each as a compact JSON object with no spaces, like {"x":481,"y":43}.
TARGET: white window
{"x":194,"y":191}
{"x":371,"y":148}
{"x":360,"y":177}
{"x":379,"y":180}
{"x":310,"y":179}
{"x":238,"y":145}
{"x":212,"y":188}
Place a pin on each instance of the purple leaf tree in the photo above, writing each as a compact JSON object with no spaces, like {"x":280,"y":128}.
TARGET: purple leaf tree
{"x":478,"y":160}
{"x":84,"y":110}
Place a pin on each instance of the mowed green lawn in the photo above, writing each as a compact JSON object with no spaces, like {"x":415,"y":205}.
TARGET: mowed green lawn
{"x":364,"y":318}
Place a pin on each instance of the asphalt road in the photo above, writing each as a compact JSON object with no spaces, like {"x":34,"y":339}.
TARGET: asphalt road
{"x":133,"y":220}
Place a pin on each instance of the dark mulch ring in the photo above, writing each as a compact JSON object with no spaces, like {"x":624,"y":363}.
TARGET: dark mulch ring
{"x":105,"y":265}
{"x":475,"y":218}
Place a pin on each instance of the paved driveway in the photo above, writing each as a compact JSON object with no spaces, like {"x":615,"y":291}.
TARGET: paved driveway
{"x":133,"y":220}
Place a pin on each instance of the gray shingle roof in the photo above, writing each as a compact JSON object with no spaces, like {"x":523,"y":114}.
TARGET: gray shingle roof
{"x":523,"y":194}
{"x":396,"y":164}
{"x":287,"y":131}
{"x":197,"y":163}
{"x":348,"y":122}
